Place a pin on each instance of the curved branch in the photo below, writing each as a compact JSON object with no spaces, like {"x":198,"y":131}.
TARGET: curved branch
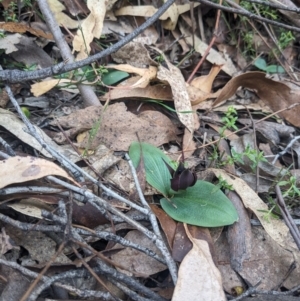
{"x":15,"y":76}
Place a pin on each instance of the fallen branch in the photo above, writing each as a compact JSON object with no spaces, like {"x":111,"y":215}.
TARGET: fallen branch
{"x":15,"y":76}
{"x":87,"y":93}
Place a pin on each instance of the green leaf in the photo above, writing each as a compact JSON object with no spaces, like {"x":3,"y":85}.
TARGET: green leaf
{"x":157,"y":173}
{"x":261,"y":64}
{"x":274,"y":69}
{"x":113,"y":76}
{"x":202,"y":205}
{"x":26,"y":112}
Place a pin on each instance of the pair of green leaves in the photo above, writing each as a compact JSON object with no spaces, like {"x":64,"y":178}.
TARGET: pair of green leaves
{"x":261,"y":64}
{"x":203,"y":204}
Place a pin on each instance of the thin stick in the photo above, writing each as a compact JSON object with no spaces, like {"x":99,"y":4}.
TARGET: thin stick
{"x":209,"y":46}
{"x":244,"y":12}
{"x":256,"y":148}
{"x":287,"y":217}
{"x":170,"y":261}
{"x":286,"y":149}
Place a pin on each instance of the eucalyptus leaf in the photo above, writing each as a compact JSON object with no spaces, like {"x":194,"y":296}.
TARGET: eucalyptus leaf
{"x":157,"y":173}
{"x":202,"y":205}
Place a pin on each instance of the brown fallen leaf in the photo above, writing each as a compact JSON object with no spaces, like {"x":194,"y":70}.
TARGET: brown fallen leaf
{"x":43,"y":87}
{"x":170,"y":17}
{"x":6,"y":243}
{"x":271,"y":131}
{"x":167,"y":223}
{"x":269,"y":263}
{"x":4,"y":99}
{"x":135,"y":261}
{"x":205,"y":82}
{"x":276,"y":95}
{"x":159,"y":91}
{"x":171,"y":22}
{"x":198,"y":277}
{"x":24,"y":49}
{"x":277,"y":229}
{"x":23,"y":27}
{"x":76,"y":7}
{"x":38,"y":256}
{"x":28,"y":169}
{"x":57,"y":9}
{"x":30,"y":207}
{"x":134,"y":54}
{"x":141,"y":11}
{"x":182,"y":244}
{"x":239,"y":234}
{"x":182,"y":103}
{"x":213,"y":57}
{"x":118,"y":127}
{"x":188,"y":143}
{"x":15,"y":126}
{"x":90,"y":28}
{"x":200,"y":88}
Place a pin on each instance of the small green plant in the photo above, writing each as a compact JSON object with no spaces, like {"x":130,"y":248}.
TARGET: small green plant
{"x":93,"y":132}
{"x":264,"y":10}
{"x":27,"y":3}
{"x":253,"y":155}
{"x":235,"y":157}
{"x":261,"y":64}
{"x":283,"y":36}
{"x":229,"y":120}
{"x":292,"y":191}
{"x":223,"y":184}
{"x":247,"y":38}
{"x":9,"y":14}
{"x":269,"y":214}
{"x":159,"y":59}
{"x":26,"y":111}
{"x":202,"y":204}
{"x":286,"y":37}
{"x":214,"y":156}
{"x":272,"y":212}
{"x":30,"y":68}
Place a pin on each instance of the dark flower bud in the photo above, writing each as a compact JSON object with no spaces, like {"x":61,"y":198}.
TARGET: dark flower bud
{"x":182,"y":178}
